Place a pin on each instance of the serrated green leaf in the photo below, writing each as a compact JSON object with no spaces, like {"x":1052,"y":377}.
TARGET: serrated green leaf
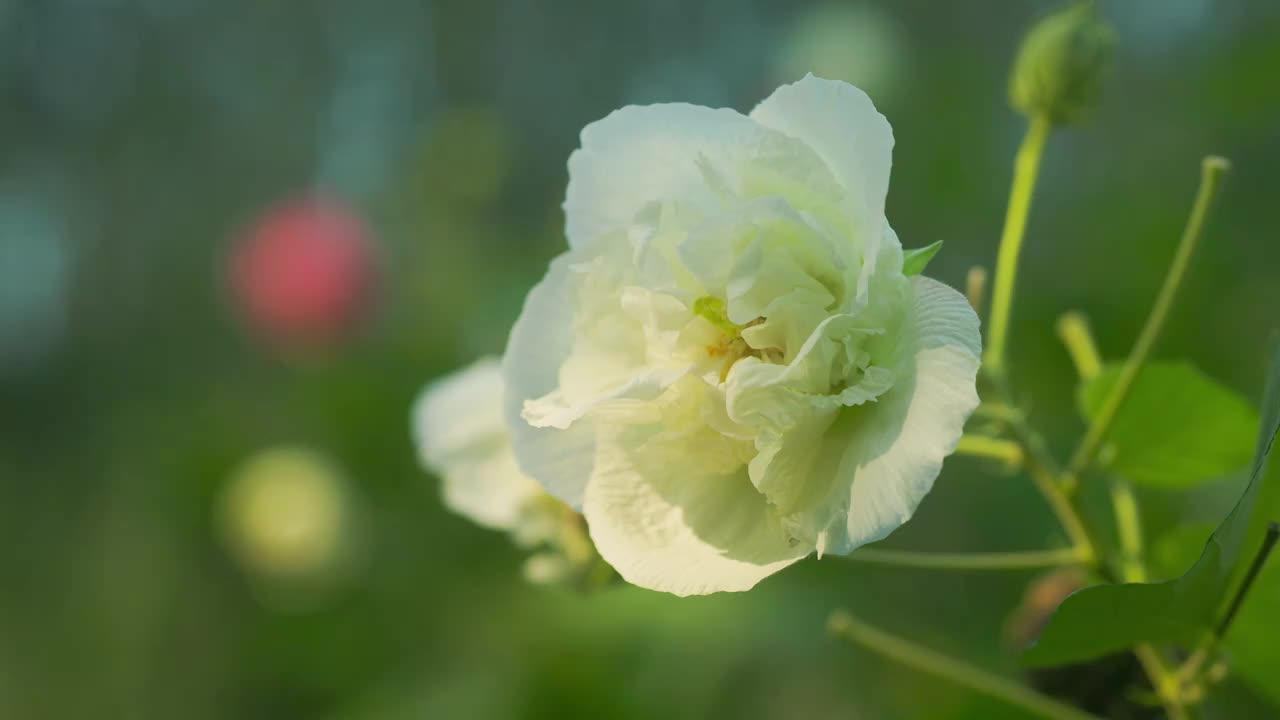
{"x":1177,"y":427}
{"x":1108,"y":618}
{"x":914,"y":261}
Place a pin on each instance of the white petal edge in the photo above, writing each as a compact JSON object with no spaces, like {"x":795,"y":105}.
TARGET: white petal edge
{"x":540,"y":341}
{"x":490,"y":490}
{"x":667,"y":529}
{"x":898,"y":451}
{"x":841,"y":124}
{"x":638,"y":155}
{"x":460,"y":435}
{"x":455,"y":412}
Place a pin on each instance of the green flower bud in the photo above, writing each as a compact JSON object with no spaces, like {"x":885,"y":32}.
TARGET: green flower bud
{"x":1058,"y":72}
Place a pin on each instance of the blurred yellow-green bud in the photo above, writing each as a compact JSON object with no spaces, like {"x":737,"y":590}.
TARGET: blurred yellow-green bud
{"x":1059,"y":68}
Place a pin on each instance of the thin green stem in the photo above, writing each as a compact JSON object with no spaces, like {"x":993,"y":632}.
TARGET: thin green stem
{"x":1190,"y":669}
{"x":1026,"y":169}
{"x":1164,"y":681}
{"x":1039,"y":462}
{"x":972,"y":561}
{"x":1006,"y":451}
{"x":998,"y":411}
{"x":845,"y":626}
{"x":1189,"y":672}
{"x":1047,"y":483}
{"x":1073,"y":330}
{"x":1212,"y":171}
{"x":1255,"y":567}
{"x":1129,"y":529}
{"x":1044,"y":472}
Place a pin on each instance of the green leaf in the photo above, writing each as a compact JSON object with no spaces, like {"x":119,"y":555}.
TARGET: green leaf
{"x":1176,"y":428}
{"x":1178,"y":549}
{"x":914,"y":261}
{"x":1255,"y":655}
{"x":1108,"y":618}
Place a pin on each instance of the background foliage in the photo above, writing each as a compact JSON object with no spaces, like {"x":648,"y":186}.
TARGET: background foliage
{"x":139,"y":139}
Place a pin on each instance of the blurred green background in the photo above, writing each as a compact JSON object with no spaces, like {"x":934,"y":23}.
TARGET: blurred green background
{"x":141,"y":143}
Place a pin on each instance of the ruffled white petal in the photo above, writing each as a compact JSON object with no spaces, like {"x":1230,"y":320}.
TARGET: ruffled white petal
{"x":896,"y":446}
{"x":792,"y":409}
{"x":555,"y":411}
{"x":637,"y":158}
{"x":461,"y":436}
{"x":638,"y":155}
{"x":671,"y":508}
{"x":540,"y":343}
{"x":840,"y":123}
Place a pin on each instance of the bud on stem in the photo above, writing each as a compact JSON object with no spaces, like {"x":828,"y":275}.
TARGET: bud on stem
{"x":1058,"y":72}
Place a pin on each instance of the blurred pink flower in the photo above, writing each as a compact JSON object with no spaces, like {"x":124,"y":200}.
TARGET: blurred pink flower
{"x":304,"y":270}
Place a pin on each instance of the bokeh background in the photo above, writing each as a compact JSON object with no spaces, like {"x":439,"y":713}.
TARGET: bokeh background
{"x":409,"y":157}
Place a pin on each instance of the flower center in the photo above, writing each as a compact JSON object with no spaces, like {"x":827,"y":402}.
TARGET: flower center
{"x":731,"y":346}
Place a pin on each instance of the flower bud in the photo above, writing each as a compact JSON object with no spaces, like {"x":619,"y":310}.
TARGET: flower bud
{"x":1058,"y":71}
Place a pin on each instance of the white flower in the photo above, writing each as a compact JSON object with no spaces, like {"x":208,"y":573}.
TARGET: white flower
{"x":728,"y":370}
{"x":462,"y":437}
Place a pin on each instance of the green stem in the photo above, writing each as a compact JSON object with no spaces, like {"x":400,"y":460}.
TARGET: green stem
{"x":1046,"y":480}
{"x":1164,"y":681}
{"x":1242,"y":591}
{"x":1007,"y":451}
{"x":1039,"y":463}
{"x":1073,"y":330}
{"x":846,"y":626}
{"x":998,"y":411}
{"x":972,"y":561}
{"x":1044,"y":471}
{"x":1212,"y":171}
{"x":1190,"y":670}
{"x":1129,"y":530}
{"x":1025,"y":170}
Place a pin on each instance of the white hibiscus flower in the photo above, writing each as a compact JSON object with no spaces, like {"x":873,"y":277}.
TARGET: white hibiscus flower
{"x":729,"y":370}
